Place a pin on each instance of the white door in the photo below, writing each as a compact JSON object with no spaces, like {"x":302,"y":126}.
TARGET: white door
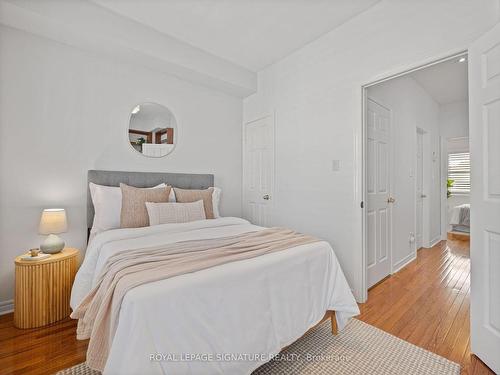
{"x":258,"y":170}
{"x":419,"y":189}
{"x":378,"y":187}
{"x":484,"y":123}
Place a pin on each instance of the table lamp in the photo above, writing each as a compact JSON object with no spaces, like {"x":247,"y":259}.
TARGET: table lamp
{"x":52,"y":222}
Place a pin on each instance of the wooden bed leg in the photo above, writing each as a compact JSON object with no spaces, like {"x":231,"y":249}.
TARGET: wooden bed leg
{"x":334,"y":323}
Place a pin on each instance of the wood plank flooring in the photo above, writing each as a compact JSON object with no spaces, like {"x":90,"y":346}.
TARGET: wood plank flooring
{"x":426,"y":303}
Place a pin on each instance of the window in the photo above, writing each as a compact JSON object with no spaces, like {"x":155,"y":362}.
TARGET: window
{"x":459,"y":172}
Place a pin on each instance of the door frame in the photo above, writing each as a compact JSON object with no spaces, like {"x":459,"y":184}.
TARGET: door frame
{"x":420,"y":131}
{"x":361,"y":154}
{"x":427,"y":187}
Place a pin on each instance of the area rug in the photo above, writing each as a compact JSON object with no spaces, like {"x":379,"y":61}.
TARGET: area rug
{"x":359,"y":349}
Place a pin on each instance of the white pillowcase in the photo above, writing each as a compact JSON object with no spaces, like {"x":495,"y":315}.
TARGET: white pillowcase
{"x":107,"y":202}
{"x":215,"y":200}
{"x":170,"y":213}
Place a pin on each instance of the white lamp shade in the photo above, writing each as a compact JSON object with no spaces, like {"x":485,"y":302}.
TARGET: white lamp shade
{"x":53,"y":221}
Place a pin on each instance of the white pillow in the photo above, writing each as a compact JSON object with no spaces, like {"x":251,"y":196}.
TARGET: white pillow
{"x":215,"y":200}
{"x":171,"y":197}
{"x":107,"y":202}
{"x":170,"y":213}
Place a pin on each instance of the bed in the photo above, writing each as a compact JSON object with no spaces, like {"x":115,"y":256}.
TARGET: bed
{"x":228,"y":319}
{"x":460,"y":218}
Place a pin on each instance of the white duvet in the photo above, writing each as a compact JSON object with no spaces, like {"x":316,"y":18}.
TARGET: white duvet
{"x":227,"y":319}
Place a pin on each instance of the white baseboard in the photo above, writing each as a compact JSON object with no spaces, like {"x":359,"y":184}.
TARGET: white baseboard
{"x":433,"y":242}
{"x":6,"y":307}
{"x":403,"y":262}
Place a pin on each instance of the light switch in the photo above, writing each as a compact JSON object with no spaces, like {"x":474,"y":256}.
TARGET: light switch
{"x":335,"y":165}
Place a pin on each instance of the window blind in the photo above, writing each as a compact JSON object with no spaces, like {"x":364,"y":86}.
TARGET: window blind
{"x":459,"y":172}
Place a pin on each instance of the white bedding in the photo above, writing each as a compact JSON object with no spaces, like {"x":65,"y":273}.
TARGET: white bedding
{"x":460,"y":215}
{"x":249,"y":309}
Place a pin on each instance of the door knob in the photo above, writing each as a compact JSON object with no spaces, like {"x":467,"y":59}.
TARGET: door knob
{"x":266,"y":197}
{"x":423,"y":196}
{"x":391,"y":200}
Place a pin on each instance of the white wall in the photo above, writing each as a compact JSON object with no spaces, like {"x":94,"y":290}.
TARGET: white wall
{"x":454,"y":119}
{"x":64,"y":111}
{"x":411,"y":107}
{"x":315,"y":94}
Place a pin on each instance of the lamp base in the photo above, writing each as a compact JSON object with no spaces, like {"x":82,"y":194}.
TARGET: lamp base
{"x":52,"y":244}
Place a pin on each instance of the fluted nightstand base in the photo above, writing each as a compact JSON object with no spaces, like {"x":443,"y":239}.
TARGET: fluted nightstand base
{"x":43,"y":289}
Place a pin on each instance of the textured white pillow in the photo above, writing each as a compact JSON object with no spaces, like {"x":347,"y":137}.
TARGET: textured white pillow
{"x":170,"y":213}
{"x":107,"y":202}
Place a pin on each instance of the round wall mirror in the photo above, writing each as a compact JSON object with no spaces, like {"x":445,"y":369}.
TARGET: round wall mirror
{"x":152,"y":130}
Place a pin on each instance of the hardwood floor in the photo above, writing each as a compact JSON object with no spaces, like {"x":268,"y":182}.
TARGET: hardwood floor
{"x":426,"y":303}
{"x":39,"y":350}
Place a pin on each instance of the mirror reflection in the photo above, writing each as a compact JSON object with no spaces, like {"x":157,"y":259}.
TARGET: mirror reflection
{"x":152,"y":130}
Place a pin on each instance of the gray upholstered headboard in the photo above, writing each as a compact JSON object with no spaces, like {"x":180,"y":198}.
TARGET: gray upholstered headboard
{"x":144,"y":179}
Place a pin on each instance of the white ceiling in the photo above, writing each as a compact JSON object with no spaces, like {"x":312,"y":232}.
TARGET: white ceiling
{"x":445,"y":82}
{"x":252,"y":34}
{"x":90,"y":27}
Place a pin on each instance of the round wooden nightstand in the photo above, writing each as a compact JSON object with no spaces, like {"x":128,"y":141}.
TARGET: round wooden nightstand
{"x":43,"y":289}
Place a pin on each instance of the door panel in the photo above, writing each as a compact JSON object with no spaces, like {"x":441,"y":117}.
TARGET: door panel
{"x":371,"y":166}
{"x":258,"y":170}
{"x":378,"y":188}
{"x":492,"y":114}
{"x":383,"y":161}
{"x":493,"y":302}
{"x":384,"y":234}
{"x":371,"y":238}
{"x":484,"y":122}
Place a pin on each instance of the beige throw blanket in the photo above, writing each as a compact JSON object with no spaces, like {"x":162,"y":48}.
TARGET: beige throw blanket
{"x":98,"y":312}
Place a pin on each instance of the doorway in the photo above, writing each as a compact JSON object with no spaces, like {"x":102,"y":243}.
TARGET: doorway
{"x":482,"y":90}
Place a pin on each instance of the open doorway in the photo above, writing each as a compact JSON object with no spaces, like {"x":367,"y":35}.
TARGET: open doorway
{"x":416,"y":191}
{"x":430,"y":298}
{"x":417,"y":174}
